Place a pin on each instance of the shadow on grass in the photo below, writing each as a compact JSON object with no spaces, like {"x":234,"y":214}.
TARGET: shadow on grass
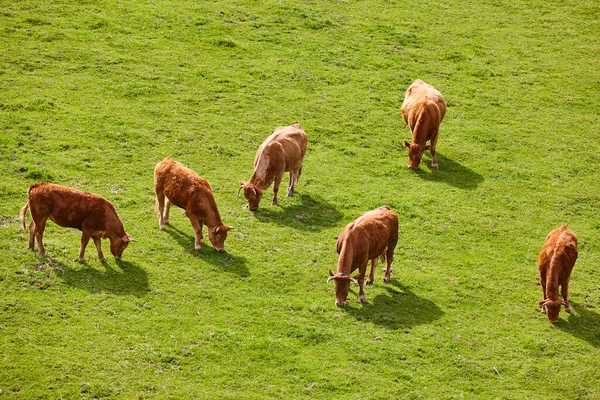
{"x":128,"y":279}
{"x":449,"y":172}
{"x":226,"y":261}
{"x":400,"y":308}
{"x":312,"y":213}
{"x":584,"y":324}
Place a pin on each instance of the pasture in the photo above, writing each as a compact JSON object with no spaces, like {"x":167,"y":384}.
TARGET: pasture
{"x":94,"y":93}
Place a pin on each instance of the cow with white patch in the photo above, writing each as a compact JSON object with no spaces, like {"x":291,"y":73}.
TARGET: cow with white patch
{"x":281,"y":152}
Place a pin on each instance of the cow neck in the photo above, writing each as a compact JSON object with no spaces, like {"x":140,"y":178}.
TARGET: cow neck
{"x":346,"y":258}
{"x":552,"y":277}
{"x":114,"y":226}
{"x":211,"y":215}
{"x":260,"y":177}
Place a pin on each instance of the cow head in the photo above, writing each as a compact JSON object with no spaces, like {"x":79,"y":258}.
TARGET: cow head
{"x":218,"y":235}
{"x":415,"y":153}
{"x":252,"y":193}
{"x":119,"y":244}
{"x":342,"y":286}
{"x":552,"y":308}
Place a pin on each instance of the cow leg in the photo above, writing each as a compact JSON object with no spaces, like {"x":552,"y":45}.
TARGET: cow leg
{"x":197,"y":225}
{"x":276,"y":189}
{"x":361,"y":291}
{"x":543,"y":283}
{"x":167,"y":210}
{"x":434,"y":163}
{"x":39,"y":233}
{"x":564,"y":292}
{"x":31,"y":235}
{"x":293,"y":179}
{"x":389,"y":257}
{"x":85,"y":238}
{"x":97,"y":243}
{"x":160,"y":207}
{"x":372,"y":272}
{"x":360,"y":277}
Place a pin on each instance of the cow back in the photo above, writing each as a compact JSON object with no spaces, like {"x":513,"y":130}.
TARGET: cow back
{"x":71,"y":208}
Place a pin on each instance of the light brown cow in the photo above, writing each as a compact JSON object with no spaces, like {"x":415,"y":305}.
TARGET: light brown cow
{"x":423,"y":110}
{"x":374,"y":234}
{"x":92,"y":214}
{"x":177,"y":184}
{"x":555,"y":263}
{"x":281,"y":152}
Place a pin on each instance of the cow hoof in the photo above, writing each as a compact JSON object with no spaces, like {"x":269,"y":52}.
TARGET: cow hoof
{"x":197,"y":248}
{"x":163,"y":227}
{"x":369,"y":282}
{"x":81,"y":261}
{"x":386,"y":280}
{"x":434,"y":166}
{"x":568,"y":309}
{"x":103,"y":260}
{"x":362,"y":300}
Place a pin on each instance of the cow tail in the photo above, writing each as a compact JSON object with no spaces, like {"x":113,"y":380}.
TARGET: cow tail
{"x":22,"y":215}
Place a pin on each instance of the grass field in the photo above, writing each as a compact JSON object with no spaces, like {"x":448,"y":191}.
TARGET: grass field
{"x":94,"y":93}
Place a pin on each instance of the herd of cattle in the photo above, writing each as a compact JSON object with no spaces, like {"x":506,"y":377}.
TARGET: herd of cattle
{"x":371,"y":236}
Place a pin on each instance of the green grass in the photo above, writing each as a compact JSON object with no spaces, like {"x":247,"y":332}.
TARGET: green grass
{"x":94,"y":94}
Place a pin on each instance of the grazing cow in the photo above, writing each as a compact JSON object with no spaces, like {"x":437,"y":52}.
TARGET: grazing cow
{"x":177,"y":184}
{"x":92,"y":214}
{"x":281,"y":152}
{"x":555,"y":263}
{"x":423,"y":110}
{"x":374,"y":234}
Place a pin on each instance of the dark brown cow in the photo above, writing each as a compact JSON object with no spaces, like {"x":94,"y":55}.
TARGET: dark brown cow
{"x":423,"y":110}
{"x":555,"y":263}
{"x":281,"y":152}
{"x":177,"y":184}
{"x":373,"y":234}
{"x":92,"y":214}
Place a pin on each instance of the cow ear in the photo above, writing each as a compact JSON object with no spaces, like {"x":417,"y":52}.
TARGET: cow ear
{"x":242,"y":183}
{"x":129,"y":238}
{"x":406,"y":144}
{"x":331,"y":272}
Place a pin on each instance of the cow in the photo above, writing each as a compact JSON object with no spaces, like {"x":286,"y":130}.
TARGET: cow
{"x":175,"y":183}
{"x":281,"y":152}
{"x":374,"y":234}
{"x":92,"y":214}
{"x":555,"y":263}
{"x":423,"y":110}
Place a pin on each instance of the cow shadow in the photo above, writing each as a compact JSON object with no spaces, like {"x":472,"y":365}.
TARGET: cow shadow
{"x":228,"y":262}
{"x":449,"y":172}
{"x":583,"y":324}
{"x":303,"y":211}
{"x":126,"y":279}
{"x":399,"y":308}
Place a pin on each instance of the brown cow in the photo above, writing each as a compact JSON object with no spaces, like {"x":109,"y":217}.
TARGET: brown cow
{"x":92,"y":214}
{"x":555,"y":263}
{"x":423,"y":110}
{"x":281,"y":152}
{"x":177,"y":184}
{"x":373,"y":234}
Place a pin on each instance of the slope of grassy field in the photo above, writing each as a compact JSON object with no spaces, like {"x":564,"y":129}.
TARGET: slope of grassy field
{"x":94,"y":93}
